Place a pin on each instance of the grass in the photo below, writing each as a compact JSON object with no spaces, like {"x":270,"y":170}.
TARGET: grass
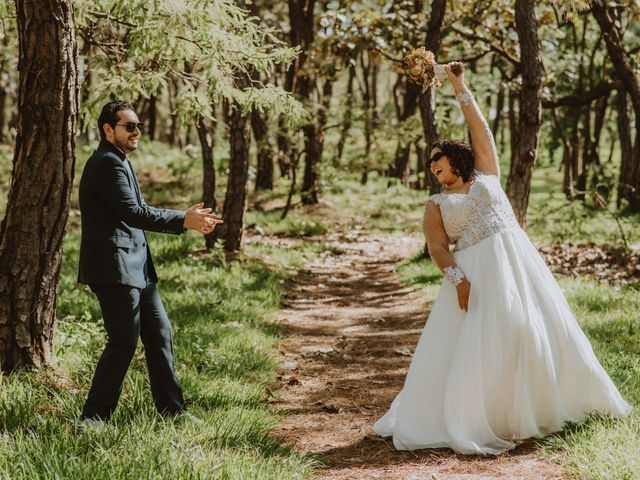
{"x":226,"y":345}
{"x":551,"y":218}
{"x":226,"y":359}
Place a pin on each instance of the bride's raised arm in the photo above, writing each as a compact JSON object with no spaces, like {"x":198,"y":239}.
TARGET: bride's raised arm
{"x":484,"y":147}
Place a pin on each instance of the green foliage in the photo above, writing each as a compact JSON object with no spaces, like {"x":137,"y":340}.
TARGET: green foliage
{"x":204,"y":47}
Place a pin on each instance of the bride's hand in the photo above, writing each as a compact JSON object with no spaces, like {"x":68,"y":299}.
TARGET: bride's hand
{"x":455,"y":72}
{"x":464,"y":289}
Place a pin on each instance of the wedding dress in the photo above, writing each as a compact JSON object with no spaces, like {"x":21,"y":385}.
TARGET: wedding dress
{"x":516,"y":364}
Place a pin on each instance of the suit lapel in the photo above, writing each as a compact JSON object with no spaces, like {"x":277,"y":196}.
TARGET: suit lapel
{"x":134,"y":180}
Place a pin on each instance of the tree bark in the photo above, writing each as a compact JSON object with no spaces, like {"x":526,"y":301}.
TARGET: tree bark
{"x":625,"y":178}
{"x":206,"y":136}
{"x":581,"y":182}
{"x":593,"y":154}
{"x":33,"y":229}
{"x":513,"y":124}
{"x":173,"y":137}
{"x":235,"y":202}
{"x":497,"y":122}
{"x":400,"y":168}
{"x":3,"y":112}
{"x":314,"y":145}
{"x":427,"y":100}
{"x":3,"y":90}
{"x":368,"y":116}
{"x":301,"y":34}
{"x":264,"y":171}
{"x":519,"y":181}
{"x":152,"y":117}
{"x":613,"y":37}
{"x":567,"y":156}
{"x":347,"y":119}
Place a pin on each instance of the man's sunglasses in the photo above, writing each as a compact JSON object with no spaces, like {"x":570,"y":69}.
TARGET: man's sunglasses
{"x":131,"y":126}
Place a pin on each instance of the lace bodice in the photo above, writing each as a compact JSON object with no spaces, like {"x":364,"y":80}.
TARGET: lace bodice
{"x":474,"y":216}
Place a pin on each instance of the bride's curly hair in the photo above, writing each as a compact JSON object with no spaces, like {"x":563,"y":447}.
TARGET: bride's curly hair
{"x":460,"y":157}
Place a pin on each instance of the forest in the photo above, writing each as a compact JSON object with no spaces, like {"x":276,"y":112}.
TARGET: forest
{"x":296,"y":122}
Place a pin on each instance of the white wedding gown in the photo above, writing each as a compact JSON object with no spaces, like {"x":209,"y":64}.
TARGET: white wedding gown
{"x":516,"y":365}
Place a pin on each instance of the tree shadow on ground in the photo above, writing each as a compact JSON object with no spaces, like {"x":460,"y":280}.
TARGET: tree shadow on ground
{"x":350,"y":327}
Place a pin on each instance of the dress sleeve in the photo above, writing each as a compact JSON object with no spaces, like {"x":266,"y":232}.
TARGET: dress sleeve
{"x":435,"y":198}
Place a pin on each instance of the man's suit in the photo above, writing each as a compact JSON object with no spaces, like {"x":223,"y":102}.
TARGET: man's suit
{"x":115,"y":261}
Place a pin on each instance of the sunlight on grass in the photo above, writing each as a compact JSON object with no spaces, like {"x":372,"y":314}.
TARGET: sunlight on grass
{"x":226,"y":358}
{"x":226,"y":347}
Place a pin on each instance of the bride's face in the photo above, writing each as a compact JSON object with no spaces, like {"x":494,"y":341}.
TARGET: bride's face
{"x":441,"y":168}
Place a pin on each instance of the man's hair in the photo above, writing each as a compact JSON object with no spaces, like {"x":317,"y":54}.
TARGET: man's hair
{"x":460,"y":157}
{"x":109,"y":114}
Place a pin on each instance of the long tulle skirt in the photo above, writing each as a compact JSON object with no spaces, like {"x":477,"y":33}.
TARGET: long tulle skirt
{"x":516,"y":365}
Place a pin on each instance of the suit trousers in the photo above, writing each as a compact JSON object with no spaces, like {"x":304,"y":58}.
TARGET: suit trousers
{"x":129,"y":313}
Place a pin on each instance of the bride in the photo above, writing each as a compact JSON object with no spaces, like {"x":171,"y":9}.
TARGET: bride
{"x":501,"y":357}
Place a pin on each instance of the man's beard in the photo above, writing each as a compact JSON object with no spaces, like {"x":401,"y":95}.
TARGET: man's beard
{"x":125,"y":147}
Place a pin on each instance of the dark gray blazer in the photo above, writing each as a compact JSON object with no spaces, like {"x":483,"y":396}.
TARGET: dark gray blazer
{"x":114,"y":247}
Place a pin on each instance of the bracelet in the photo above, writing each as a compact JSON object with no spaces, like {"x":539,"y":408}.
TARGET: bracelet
{"x":455,"y":275}
{"x":465,"y":97}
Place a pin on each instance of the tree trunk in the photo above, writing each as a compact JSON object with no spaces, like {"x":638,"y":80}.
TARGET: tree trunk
{"x":314,"y":145}
{"x":567,"y":156}
{"x":260,"y":127}
{"x":173,"y":137}
{"x":497,"y":122}
{"x":3,"y":90}
{"x":235,"y":201}
{"x":284,"y":149}
{"x":347,"y":119}
{"x":605,"y":16}
{"x":593,"y":154}
{"x":581,"y":183}
{"x":33,"y":230}
{"x":625,"y":178}
{"x":313,"y":155}
{"x":513,"y":124}
{"x":86,"y":85}
{"x":367,"y":117}
{"x":301,"y":34}
{"x":152,"y":117}
{"x":427,"y":100}
{"x":519,"y":181}
{"x":431,"y":133}
{"x":3,"y":112}
{"x":264,"y":171}
{"x":206,"y":136}
{"x":400,"y":168}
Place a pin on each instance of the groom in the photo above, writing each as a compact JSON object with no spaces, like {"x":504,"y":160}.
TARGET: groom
{"x":115,"y":261}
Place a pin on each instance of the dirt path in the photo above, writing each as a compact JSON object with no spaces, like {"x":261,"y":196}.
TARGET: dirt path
{"x":350,"y":327}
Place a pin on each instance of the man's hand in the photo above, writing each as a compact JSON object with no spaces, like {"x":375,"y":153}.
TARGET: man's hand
{"x":464,"y":289}
{"x":200,"y":219}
